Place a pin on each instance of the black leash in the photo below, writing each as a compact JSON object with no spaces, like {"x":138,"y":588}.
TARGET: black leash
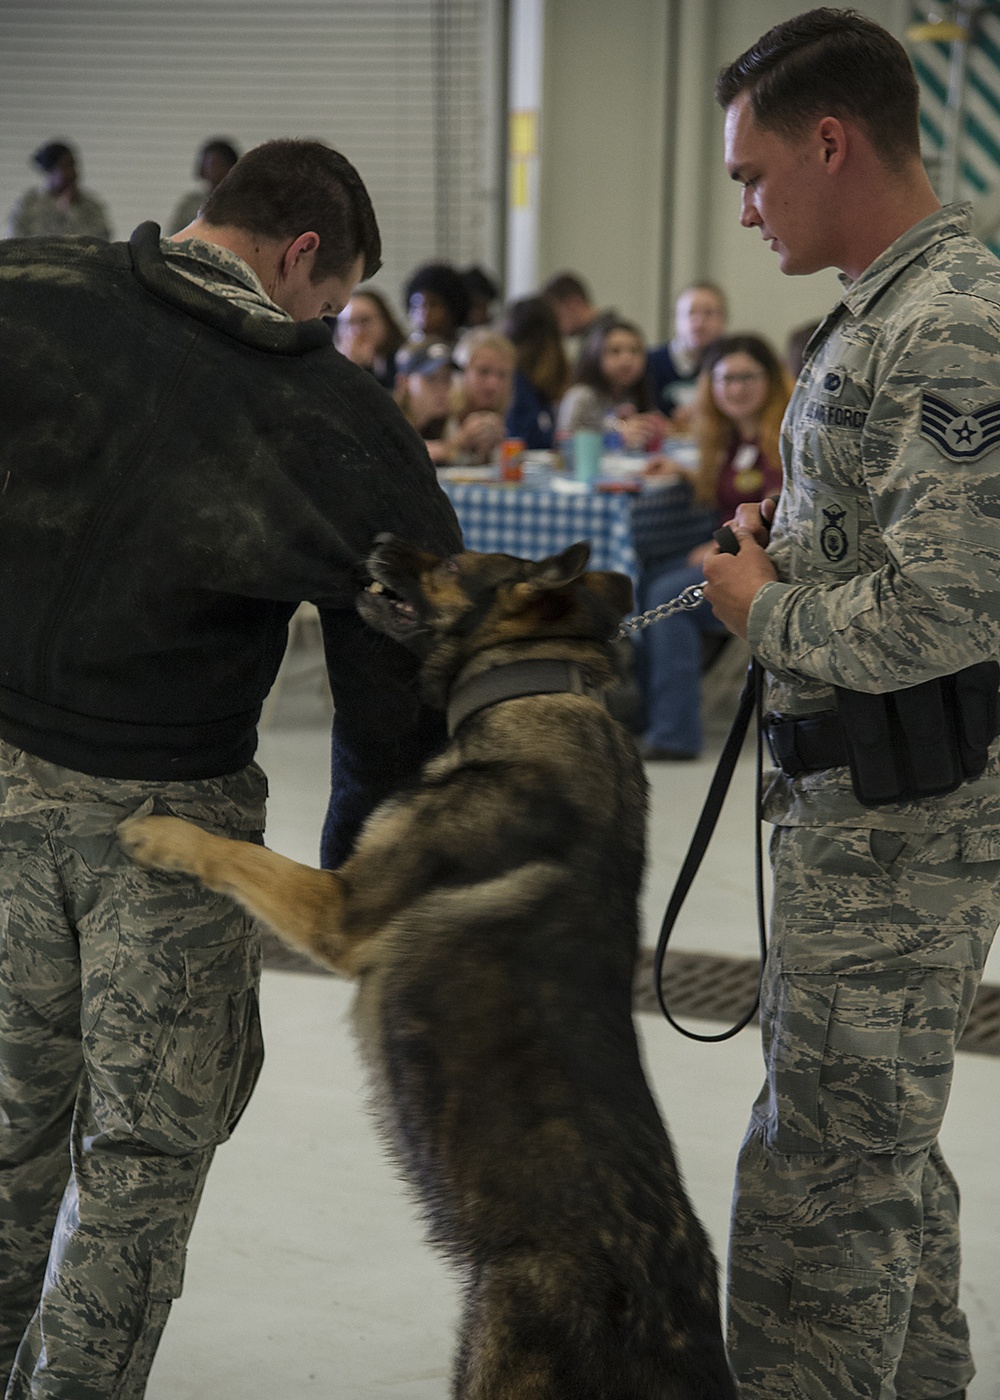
{"x":749,"y":702}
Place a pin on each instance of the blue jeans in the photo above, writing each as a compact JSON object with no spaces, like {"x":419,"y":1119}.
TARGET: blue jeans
{"x":669,"y":667}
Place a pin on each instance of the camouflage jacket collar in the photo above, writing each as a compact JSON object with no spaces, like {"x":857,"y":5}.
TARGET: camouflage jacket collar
{"x":154,"y":273}
{"x":953,"y":221}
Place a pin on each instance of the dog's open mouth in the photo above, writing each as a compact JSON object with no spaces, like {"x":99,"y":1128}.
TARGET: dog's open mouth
{"x":390,"y":612}
{"x":404,"y":611}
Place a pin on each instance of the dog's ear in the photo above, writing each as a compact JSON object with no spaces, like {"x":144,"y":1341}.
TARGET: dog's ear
{"x":555,"y":572}
{"x":613,"y":589}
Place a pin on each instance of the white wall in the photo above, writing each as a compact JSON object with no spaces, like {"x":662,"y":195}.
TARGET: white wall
{"x":634,"y":195}
{"x":603,"y":149}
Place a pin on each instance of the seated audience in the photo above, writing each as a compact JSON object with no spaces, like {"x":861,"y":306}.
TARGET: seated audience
{"x":61,"y":207}
{"x":612,"y":389}
{"x":212,"y":164}
{"x":367,"y":332}
{"x":699,"y":318}
{"x":541,"y":375}
{"x":484,"y":293}
{"x":742,"y":392}
{"x":423,"y":391}
{"x":436,"y":298}
{"x":487,"y":360}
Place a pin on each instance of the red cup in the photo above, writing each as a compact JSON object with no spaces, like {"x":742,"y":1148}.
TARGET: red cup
{"x":512,"y":459}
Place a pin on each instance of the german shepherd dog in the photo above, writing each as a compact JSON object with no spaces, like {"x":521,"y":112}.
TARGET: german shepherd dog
{"x":490,"y":917}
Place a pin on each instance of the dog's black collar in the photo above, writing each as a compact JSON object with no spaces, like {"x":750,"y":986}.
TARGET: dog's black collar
{"x":515,"y":679}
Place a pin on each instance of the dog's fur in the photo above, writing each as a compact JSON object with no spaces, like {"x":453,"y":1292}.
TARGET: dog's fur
{"x":491,"y":918}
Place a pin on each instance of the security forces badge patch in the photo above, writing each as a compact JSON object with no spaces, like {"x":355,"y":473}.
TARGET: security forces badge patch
{"x":961,"y":436}
{"x":835,"y":531}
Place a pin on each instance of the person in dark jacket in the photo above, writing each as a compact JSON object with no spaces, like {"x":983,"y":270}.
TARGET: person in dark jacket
{"x":185,"y":457}
{"x":541,"y":374}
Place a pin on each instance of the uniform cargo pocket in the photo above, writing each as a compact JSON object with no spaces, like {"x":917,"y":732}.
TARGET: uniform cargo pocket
{"x":213,"y":1053}
{"x":174,"y":1057}
{"x":857,"y":1299}
{"x":862,"y":1064}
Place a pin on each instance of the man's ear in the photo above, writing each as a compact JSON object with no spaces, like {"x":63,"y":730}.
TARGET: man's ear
{"x":298,"y":249}
{"x":613,"y":589}
{"x":833,"y":139}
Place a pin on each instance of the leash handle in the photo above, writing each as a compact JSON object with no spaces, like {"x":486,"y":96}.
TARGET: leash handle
{"x":749,"y":701}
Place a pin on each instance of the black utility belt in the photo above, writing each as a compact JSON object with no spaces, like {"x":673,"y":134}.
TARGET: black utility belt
{"x":905,"y":744}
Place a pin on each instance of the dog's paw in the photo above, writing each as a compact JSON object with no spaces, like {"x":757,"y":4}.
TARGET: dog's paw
{"x":163,"y":843}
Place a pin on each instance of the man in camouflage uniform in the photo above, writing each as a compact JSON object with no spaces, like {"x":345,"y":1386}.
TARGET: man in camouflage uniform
{"x":185,"y":456}
{"x":880,"y":574}
{"x":62,"y":207}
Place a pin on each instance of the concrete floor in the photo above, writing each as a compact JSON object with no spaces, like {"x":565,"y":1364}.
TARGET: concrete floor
{"x":307,"y":1274}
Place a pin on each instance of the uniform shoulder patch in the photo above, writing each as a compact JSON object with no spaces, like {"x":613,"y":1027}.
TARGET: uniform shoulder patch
{"x":959,"y":435}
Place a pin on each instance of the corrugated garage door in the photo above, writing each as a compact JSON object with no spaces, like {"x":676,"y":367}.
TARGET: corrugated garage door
{"x":407,"y":89}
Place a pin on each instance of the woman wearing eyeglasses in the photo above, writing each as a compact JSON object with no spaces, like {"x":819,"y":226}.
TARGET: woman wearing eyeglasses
{"x":368,"y":333}
{"x":742,"y":393}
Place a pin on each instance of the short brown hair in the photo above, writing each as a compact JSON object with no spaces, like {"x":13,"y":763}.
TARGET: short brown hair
{"x":830,"y":62}
{"x":284,"y":188}
{"x":564,"y":286}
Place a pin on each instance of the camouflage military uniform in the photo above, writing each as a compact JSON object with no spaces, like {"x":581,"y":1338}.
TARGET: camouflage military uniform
{"x":39,"y":214}
{"x":844,"y":1255}
{"x":129,"y":1038}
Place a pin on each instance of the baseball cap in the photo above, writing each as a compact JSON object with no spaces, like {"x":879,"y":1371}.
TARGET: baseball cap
{"x":424,"y":357}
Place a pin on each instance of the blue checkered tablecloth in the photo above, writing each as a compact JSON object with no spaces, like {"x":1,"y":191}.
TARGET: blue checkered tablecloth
{"x":533,"y":523}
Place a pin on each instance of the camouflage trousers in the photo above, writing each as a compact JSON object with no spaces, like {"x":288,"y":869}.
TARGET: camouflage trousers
{"x":129,"y":1045}
{"x":844,"y":1248}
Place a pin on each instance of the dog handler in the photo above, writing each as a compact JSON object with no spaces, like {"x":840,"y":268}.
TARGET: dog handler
{"x":184,"y":458}
{"x":881,"y":579}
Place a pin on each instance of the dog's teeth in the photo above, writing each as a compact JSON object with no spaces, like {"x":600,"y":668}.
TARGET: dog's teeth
{"x":376,"y":587}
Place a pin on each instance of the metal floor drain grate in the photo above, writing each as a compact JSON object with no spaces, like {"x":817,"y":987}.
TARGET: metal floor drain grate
{"x":713,"y":988}
{"x":706,"y":987}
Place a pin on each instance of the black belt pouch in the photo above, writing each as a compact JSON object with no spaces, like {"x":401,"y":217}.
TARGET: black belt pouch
{"x":922,"y":741}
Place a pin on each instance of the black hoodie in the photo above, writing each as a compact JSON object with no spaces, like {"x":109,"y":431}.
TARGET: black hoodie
{"x":176,"y":475}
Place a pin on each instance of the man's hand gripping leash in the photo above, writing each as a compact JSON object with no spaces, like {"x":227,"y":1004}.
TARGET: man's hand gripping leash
{"x":752,"y":523}
{"x":734,"y":574}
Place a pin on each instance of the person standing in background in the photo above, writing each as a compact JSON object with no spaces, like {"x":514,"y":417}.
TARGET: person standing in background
{"x":700,"y":315}
{"x":62,"y":207}
{"x":871,"y":598}
{"x":215,"y":160}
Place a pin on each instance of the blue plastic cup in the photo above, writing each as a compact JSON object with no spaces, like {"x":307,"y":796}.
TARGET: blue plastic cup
{"x":586,"y":456}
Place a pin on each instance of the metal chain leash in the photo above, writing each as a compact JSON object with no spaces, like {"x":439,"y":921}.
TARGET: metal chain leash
{"x":691,"y":598}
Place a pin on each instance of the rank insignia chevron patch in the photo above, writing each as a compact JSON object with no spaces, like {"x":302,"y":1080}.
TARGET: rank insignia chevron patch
{"x":961,"y":436}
